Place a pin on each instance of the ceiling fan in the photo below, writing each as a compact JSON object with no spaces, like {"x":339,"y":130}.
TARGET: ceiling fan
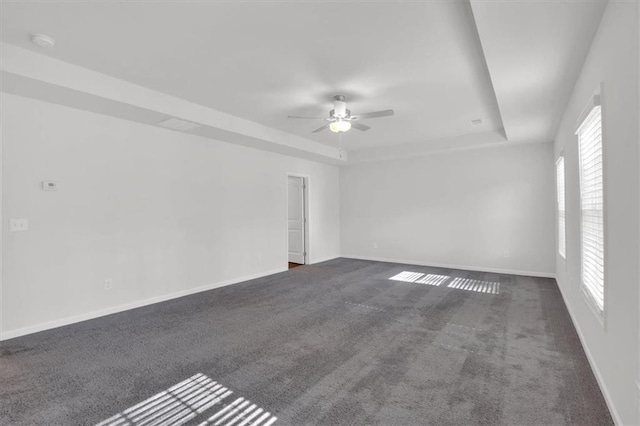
{"x":341,"y":120}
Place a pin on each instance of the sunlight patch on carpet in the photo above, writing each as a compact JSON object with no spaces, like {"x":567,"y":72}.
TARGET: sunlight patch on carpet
{"x":475,"y":285}
{"x":189,"y":399}
{"x":420,"y":278}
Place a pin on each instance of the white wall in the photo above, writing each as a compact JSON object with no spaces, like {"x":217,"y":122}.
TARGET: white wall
{"x":160,"y":212}
{"x":638,"y":77}
{"x":485,"y":209}
{"x":612,"y":348}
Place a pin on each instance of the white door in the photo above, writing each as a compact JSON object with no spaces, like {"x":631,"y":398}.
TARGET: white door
{"x":296,"y":219}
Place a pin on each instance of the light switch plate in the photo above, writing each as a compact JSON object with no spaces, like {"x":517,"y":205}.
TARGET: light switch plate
{"x":16,"y":225}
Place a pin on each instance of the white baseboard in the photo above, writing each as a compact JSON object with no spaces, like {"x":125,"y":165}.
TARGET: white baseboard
{"x":323,"y":259}
{"x":603,"y":388}
{"x":450,"y":266}
{"x":127,"y":306}
{"x":638,"y":398}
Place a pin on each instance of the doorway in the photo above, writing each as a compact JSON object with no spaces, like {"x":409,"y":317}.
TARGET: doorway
{"x":297,"y":196}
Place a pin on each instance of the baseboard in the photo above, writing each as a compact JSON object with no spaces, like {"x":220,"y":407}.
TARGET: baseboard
{"x":132,"y":305}
{"x":638,"y":399}
{"x":603,"y":387}
{"x":462,"y":267}
{"x":324,"y":259}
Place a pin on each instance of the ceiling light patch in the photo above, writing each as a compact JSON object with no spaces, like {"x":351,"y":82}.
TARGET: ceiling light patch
{"x":177,"y":124}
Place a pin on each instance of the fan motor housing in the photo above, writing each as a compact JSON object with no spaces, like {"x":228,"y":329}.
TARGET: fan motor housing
{"x":333,"y":115}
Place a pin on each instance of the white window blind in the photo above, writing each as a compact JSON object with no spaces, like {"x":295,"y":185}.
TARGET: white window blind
{"x":562,"y":236}
{"x":591,"y":204}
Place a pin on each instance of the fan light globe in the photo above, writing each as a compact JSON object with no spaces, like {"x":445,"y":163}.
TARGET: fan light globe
{"x":340,"y":126}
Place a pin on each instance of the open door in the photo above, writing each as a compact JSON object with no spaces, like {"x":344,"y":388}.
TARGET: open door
{"x":296,"y":219}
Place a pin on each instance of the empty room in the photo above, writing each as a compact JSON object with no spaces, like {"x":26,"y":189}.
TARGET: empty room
{"x":319,"y":212}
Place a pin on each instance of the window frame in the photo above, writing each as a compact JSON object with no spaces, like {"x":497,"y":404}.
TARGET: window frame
{"x":562,"y":251}
{"x":601,"y":314}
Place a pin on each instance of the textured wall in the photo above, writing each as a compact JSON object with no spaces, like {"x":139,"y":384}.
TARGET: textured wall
{"x":157,"y":211}
{"x":612,"y":346}
{"x":486,"y":209}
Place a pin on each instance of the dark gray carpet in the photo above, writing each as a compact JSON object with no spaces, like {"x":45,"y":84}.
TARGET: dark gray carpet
{"x":334,"y":343}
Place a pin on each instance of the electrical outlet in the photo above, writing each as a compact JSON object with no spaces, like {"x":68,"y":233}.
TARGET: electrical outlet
{"x":16,"y":225}
{"x":375,"y":245}
{"x":506,"y":253}
{"x":108,"y":284}
{"x":259,"y":257}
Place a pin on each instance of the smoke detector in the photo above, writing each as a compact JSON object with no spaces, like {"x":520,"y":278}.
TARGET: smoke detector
{"x":43,"y":40}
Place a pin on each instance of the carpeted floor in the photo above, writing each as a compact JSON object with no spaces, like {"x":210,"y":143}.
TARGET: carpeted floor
{"x":333,"y":343}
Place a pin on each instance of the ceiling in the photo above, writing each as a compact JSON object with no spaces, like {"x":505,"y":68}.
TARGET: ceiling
{"x":535,"y":67}
{"x":438,"y":64}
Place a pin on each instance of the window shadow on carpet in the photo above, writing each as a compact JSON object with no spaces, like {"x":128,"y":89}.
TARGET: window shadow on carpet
{"x":194,"y":397}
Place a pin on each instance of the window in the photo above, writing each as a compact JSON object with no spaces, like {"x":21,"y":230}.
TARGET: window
{"x":562,"y":233}
{"x":591,"y":204}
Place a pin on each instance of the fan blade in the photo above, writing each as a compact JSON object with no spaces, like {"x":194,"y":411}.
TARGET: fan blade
{"x":319,"y":129}
{"x":311,"y":118}
{"x":359,"y":126}
{"x":376,"y":114}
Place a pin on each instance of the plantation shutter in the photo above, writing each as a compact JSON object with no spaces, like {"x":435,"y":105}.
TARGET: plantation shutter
{"x":562,"y":236}
{"x":591,"y":204}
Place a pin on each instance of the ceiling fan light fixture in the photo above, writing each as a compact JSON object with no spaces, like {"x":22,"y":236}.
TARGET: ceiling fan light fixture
{"x":340,"y":126}
{"x":340,"y":118}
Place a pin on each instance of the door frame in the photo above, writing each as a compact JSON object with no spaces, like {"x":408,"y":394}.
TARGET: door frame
{"x":305,"y":195}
